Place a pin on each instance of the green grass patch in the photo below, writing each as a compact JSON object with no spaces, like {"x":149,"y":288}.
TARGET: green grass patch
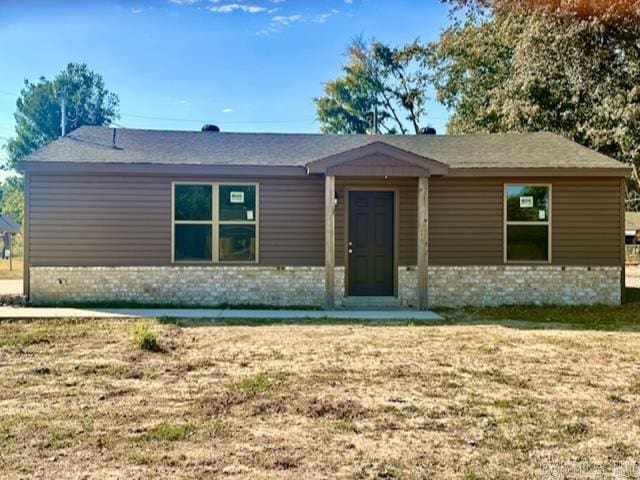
{"x":631,"y":295}
{"x":347,"y":427}
{"x":217,"y":428}
{"x":634,"y":388}
{"x":262,"y":322}
{"x":257,"y":383}
{"x":12,"y":339}
{"x":169,"y":432}
{"x":592,"y":317}
{"x":145,"y":337}
{"x":499,"y":376}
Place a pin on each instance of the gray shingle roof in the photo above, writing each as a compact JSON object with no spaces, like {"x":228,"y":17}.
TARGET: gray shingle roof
{"x":508,"y":150}
{"x":8,"y":224}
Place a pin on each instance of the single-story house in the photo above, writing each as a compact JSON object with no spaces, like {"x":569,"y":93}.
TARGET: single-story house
{"x":210,"y":218}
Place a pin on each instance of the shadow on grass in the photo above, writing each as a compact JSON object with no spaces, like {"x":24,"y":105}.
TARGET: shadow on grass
{"x":624,"y":317}
{"x":261,"y":322}
{"x":463,"y":317}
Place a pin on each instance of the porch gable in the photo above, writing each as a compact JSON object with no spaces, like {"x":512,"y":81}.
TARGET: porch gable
{"x":377,"y":159}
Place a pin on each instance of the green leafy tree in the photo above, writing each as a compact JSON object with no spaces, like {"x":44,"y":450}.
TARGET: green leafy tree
{"x":38,"y":110}
{"x":566,"y":66}
{"x":388,"y":82}
{"x":12,"y":197}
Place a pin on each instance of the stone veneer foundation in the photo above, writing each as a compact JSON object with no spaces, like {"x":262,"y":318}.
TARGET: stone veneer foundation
{"x":524,"y":285}
{"x":304,"y":286}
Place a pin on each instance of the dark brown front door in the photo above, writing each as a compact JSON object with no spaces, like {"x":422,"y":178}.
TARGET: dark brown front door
{"x":370,"y":243}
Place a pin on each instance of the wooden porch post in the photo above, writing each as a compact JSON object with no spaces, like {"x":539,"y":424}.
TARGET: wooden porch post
{"x":423,"y":243}
{"x":329,"y":241}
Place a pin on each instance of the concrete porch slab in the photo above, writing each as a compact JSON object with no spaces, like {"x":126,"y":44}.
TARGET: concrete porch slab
{"x":219,"y":314}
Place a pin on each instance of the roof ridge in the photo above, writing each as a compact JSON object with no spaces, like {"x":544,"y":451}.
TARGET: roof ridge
{"x":320,"y":134}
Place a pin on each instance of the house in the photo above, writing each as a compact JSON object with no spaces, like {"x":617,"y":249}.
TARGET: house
{"x":210,"y":218}
{"x":632,"y":228}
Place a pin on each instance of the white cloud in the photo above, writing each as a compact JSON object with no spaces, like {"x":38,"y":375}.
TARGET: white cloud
{"x":277,"y":1}
{"x":286,"y":20}
{"x":184,"y":2}
{"x":348,"y":1}
{"x":321,"y":18}
{"x":135,"y":11}
{"x":231,"y":7}
{"x":227,"y":110}
{"x":279,"y":22}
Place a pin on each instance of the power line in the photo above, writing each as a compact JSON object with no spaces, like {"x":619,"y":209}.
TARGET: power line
{"x":8,"y":93}
{"x":168,"y":119}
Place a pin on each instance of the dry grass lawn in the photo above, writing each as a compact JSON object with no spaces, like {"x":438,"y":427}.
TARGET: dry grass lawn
{"x":80,"y":399}
{"x":15,"y":273}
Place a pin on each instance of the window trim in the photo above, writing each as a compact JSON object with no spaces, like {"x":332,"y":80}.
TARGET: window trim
{"x":506,"y":223}
{"x":215,"y":223}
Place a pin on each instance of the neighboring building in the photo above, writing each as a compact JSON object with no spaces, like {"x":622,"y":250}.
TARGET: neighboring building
{"x":632,"y":228}
{"x":206,"y":218}
{"x":8,"y":229}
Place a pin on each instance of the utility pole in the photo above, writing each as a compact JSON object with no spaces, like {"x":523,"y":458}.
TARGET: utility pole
{"x":63,"y":114}
{"x":375,"y":119}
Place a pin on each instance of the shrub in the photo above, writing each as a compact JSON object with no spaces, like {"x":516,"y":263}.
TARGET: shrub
{"x":145,"y":337}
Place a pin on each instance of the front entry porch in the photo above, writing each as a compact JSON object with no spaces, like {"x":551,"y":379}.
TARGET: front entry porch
{"x":376,"y":199}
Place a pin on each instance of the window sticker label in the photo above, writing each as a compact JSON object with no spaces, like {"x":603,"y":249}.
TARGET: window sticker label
{"x":541,"y":214}
{"x":249,"y":214}
{"x":236,"y":197}
{"x":526,"y":202}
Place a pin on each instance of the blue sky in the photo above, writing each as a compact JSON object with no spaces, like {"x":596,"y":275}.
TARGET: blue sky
{"x":246,"y":65}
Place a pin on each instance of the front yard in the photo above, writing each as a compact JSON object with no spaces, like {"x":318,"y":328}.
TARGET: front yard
{"x":80,"y":399}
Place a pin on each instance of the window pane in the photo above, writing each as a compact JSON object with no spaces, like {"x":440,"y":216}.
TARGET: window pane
{"x":192,"y":242}
{"x":237,"y":243}
{"x":527,"y":242}
{"x":527,"y":203}
{"x":193,"y":202}
{"x":238,"y":202}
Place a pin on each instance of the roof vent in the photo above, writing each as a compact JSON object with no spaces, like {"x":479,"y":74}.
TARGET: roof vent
{"x":210,"y":128}
{"x":427,"y":131}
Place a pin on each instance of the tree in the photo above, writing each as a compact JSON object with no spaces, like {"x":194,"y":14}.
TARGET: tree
{"x":382,"y":81}
{"x":566,"y":66}
{"x":38,"y":112}
{"x":12,"y":197}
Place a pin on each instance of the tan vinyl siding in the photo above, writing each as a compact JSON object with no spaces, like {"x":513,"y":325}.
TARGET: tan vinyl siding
{"x":586,"y":222}
{"x":466,"y":220}
{"x":126,"y":219}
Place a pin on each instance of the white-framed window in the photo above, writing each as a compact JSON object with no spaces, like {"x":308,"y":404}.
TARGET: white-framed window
{"x":527,"y":223}
{"x":215,"y":222}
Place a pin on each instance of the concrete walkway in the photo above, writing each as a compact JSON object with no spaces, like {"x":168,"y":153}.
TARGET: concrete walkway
{"x":214,"y":314}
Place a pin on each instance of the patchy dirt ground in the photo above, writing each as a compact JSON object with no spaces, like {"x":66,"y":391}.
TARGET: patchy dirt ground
{"x":79,"y":399}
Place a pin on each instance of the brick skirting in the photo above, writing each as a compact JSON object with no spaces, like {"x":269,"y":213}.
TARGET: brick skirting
{"x":304,"y":286}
